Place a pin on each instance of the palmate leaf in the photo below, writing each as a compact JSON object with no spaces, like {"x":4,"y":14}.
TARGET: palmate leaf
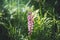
{"x":13,"y":10}
{"x":35,"y":13}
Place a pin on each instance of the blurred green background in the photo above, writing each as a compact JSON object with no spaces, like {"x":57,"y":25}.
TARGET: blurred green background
{"x":13,"y":19}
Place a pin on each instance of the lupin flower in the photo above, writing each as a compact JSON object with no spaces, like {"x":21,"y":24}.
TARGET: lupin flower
{"x":30,"y":23}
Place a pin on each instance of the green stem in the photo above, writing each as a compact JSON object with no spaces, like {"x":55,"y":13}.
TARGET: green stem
{"x":40,"y":14}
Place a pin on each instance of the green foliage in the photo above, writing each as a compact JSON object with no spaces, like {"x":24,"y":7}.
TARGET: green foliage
{"x":13,"y":16}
